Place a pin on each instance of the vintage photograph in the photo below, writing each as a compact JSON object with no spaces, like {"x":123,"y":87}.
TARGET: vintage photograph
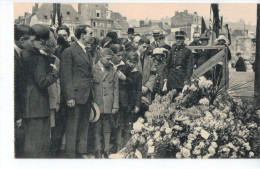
{"x":136,"y":81}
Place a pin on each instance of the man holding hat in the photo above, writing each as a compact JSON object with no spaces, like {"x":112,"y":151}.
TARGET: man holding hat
{"x":130,"y":34}
{"x":41,"y":73}
{"x":76,"y":82}
{"x":179,"y":65}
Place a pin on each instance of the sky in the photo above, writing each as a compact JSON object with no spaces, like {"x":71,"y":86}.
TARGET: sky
{"x":231,"y":12}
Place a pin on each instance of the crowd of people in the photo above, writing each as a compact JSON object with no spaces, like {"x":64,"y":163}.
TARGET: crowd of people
{"x":60,"y":84}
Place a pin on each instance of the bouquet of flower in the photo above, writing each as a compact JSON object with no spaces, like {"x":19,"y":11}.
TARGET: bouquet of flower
{"x":198,"y":123}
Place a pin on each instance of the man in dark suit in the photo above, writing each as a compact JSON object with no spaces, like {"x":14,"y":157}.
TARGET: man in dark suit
{"x":76,"y":83}
{"x":156,"y":42}
{"x":179,"y":65}
{"x":23,"y":39}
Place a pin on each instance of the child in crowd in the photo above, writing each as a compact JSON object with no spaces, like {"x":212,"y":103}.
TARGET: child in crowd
{"x":130,"y":97}
{"x":106,"y":95}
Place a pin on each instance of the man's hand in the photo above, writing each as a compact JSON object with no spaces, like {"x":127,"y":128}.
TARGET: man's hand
{"x":71,"y":103}
{"x":137,"y":109}
{"x":144,"y":89}
{"x":19,"y":123}
{"x":165,"y":85}
{"x":114,"y":111}
{"x":120,"y":75}
{"x":53,"y":66}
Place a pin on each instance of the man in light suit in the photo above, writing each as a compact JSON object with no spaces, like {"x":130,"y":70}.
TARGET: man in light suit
{"x":76,"y":82}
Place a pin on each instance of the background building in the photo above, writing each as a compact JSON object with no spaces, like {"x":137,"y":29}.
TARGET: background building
{"x":187,"y":22}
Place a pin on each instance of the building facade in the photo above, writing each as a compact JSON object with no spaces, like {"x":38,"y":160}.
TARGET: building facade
{"x":187,"y":22}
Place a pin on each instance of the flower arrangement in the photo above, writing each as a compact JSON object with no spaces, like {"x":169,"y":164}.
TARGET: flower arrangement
{"x":197,"y":123}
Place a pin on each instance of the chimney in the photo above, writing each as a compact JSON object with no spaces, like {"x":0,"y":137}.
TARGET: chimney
{"x":195,"y":13}
{"x":26,"y":14}
{"x":176,"y":12}
{"x":35,"y":8}
{"x":185,"y":11}
{"x":79,"y":8}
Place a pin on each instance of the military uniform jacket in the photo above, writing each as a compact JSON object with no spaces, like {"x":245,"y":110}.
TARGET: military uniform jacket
{"x":179,"y":66}
{"x":105,"y":89}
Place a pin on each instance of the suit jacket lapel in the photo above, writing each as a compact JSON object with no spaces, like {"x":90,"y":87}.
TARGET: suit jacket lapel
{"x":139,"y":65}
{"x":82,"y":53}
{"x":100,"y":73}
{"x":106,"y":73}
{"x":17,"y":58}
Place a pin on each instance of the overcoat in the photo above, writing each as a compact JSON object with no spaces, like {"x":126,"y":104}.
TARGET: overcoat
{"x":105,"y":89}
{"x":179,"y":66}
{"x":39,"y":77}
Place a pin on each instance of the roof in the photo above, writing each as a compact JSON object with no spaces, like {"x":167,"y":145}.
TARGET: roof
{"x":47,"y":8}
{"x":148,"y":30}
{"x":116,"y":26}
{"x":120,"y":20}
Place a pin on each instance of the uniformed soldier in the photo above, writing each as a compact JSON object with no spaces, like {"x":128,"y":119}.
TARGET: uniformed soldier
{"x":179,"y":65}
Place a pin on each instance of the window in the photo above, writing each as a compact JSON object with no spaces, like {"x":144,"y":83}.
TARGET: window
{"x":102,"y":33}
{"x":76,"y":18}
{"x":98,"y":24}
{"x":109,"y":25}
{"x":98,"y":13}
{"x":102,"y":24}
{"x":108,"y":14}
{"x":94,"y":24}
{"x":68,"y":12}
{"x":45,"y":17}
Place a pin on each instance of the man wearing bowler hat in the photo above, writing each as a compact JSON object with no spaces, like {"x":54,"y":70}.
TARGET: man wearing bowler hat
{"x":130,"y":34}
{"x":179,"y":65}
{"x":156,"y":42}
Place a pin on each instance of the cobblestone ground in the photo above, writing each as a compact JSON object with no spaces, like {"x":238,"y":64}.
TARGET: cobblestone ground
{"x":246,"y":91}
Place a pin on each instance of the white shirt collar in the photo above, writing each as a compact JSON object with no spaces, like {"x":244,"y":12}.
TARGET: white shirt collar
{"x":101,"y":66}
{"x":82,"y":46}
{"x":134,"y":70}
{"x":139,"y":54}
{"x":18,"y":50}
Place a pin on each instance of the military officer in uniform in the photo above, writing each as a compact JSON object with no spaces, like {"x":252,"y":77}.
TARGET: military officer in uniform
{"x":179,"y":65}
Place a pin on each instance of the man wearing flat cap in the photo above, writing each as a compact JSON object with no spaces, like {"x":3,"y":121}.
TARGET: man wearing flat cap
{"x":130,"y":34}
{"x":41,"y":73}
{"x":179,"y":65}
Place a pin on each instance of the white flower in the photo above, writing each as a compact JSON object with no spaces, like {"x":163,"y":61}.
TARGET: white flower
{"x":176,"y":141}
{"x":193,"y":88}
{"x":132,"y":132}
{"x":226,"y":149}
{"x":150,"y":142}
{"x":207,"y":156}
{"x":208,"y":115}
{"x":188,"y":146}
{"x":168,"y":130}
{"x":202,"y":144}
{"x":204,"y":101}
{"x":234,"y":155}
{"x":185,"y":152}
{"x":157,"y":128}
{"x":185,"y":88}
{"x":141,"y":120}
{"x":178,"y":155}
{"x":146,"y":124}
{"x":196,"y":151}
{"x":137,"y":126}
{"x":251,"y":154}
{"x":157,"y":134}
{"x":211,"y":150}
{"x":151,"y":128}
{"x":203,"y":83}
{"x":177,"y":127}
{"x":214,"y":144}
